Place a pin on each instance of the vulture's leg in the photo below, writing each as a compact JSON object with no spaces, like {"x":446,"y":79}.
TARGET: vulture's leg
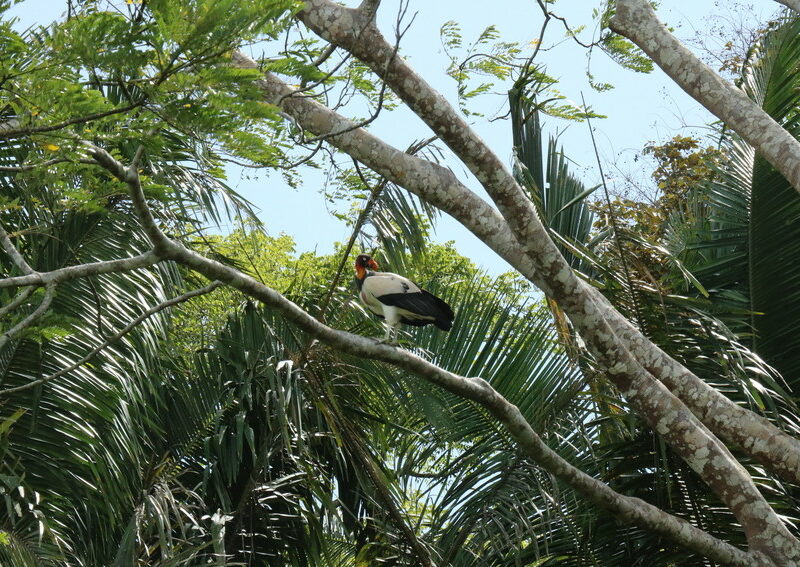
{"x":392,"y":322}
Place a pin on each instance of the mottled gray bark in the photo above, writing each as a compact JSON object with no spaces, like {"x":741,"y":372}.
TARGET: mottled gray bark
{"x":636,"y":20}
{"x":627,"y":509}
{"x":18,"y":300}
{"x":437,"y":185}
{"x":793,"y":4}
{"x":750,"y":432}
{"x":13,"y":253}
{"x":689,"y":438}
{"x":82,"y":270}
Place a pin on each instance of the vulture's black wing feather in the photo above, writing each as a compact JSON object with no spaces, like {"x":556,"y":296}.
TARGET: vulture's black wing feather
{"x":422,"y":303}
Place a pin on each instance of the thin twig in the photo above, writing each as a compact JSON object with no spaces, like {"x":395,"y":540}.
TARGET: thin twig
{"x":124,"y":331}
{"x":30,"y":166}
{"x":17,"y":133}
{"x":17,"y":301}
{"x":613,"y":221}
{"x":369,"y":4}
{"x":548,"y":14}
{"x":362,"y":217}
{"x":476,"y":389}
{"x":325,"y":55}
{"x":30,"y":319}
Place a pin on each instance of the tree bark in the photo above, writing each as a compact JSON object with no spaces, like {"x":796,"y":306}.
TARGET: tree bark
{"x":516,"y":232}
{"x":793,"y":4}
{"x":627,"y":509}
{"x":357,"y":33}
{"x":636,"y":20}
{"x":438,"y":186}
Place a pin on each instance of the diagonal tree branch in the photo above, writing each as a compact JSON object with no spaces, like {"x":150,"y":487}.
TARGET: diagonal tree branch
{"x":636,"y":20}
{"x":11,"y":128}
{"x":31,"y":166}
{"x":687,"y":436}
{"x":13,"y":253}
{"x":665,"y":413}
{"x":439,"y":187}
{"x":82,"y":270}
{"x":627,"y":509}
{"x":37,"y":313}
{"x":17,"y":301}
{"x":793,"y":4}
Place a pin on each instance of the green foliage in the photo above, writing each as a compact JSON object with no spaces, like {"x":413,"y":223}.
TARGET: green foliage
{"x":642,"y":227}
{"x":619,"y":48}
{"x":640,"y":263}
{"x":216,"y":432}
{"x":484,"y":57}
{"x":270,"y":260}
{"x":154,"y":76}
{"x":744,"y":249}
{"x":495,"y":60}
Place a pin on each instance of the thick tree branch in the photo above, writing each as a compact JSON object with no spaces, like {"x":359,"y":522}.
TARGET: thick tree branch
{"x":750,"y":432}
{"x":687,"y":436}
{"x":793,"y":4}
{"x":130,"y":175}
{"x":82,"y":270}
{"x":627,"y":509}
{"x":118,"y":335}
{"x":636,"y":20}
{"x":9,"y":126}
{"x":439,"y":187}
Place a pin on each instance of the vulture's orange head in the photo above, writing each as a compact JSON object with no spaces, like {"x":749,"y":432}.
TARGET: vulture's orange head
{"x":364,"y":263}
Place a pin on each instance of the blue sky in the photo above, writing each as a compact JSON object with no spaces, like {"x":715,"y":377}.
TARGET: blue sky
{"x":640,"y":109}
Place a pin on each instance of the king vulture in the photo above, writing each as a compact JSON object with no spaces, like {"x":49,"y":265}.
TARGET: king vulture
{"x":398,"y":300}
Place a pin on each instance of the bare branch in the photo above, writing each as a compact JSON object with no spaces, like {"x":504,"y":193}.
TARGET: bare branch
{"x":627,"y":509}
{"x":636,"y":20}
{"x":648,"y":397}
{"x":9,"y":126}
{"x":130,"y":175}
{"x":476,"y":389}
{"x":13,"y":253}
{"x":439,"y":187}
{"x":124,"y":331}
{"x":324,"y":56}
{"x":31,"y":166}
{"x":30,"y":319}
{"x":570,"y":32}
{"x":17,"y":301}
{"x":750,"y":432}
{"x":81,"y":270}
{"x":16,"y":132}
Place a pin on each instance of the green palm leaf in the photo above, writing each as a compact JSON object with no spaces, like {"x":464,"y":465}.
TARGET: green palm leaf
{"x":745,"y":252}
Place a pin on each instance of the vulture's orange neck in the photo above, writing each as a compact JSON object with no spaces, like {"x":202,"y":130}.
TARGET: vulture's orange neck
{"x":361,"y":272}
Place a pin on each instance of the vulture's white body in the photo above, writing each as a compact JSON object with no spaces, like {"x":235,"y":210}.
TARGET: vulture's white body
{"x":380,"y":284}
{"x":399,"y":300}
